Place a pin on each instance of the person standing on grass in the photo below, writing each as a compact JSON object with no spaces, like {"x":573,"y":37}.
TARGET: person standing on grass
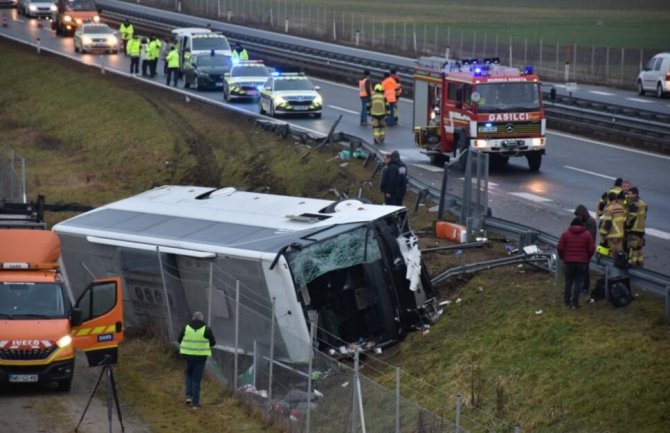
{"x":592,"y":227}
{"x":575,"y":248}
{"x":195,"y":346}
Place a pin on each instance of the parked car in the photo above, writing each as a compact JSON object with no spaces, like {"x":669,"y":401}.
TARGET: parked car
{"x":245,"y":80}
{"x":36,"y":8}
{"x":205,"y":71}
{"x":655,"y":76}
{"x":290,"y":93}
{"x":96,"y":37}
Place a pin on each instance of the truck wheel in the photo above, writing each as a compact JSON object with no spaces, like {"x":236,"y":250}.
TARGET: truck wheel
{"x":534,"y":161}
{"x":64,"y":385}
{"x":437,"y":160}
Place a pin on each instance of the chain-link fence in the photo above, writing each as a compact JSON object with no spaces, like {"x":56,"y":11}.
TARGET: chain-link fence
{"x":255,"y":354}
{"x":589,"y":63}
{"x":12,"y":176}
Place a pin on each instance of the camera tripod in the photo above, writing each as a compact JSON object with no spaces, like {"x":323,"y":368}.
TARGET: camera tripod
{"x":107,"y":370}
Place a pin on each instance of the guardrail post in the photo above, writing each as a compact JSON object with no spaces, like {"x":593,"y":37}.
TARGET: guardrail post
{"x":667,"y":303}
{"x":38,"y":44}
{"x":517,"y":428}
{"x":443,"y":192}
{"x":286,"y":25}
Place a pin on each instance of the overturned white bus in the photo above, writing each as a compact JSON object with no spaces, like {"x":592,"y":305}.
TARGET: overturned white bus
{"x":354,"y":268}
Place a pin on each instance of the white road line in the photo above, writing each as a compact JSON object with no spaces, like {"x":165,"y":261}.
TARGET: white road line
{"x":613,"y":146}
{"x":593,"y":173}
{"x":343,"y":109}
{"x":475,"y":181}
{"x":657,"y":233}
{"x":640,"y":100}
{"x":598,"y":92}
{"x":430,"y":168}
{"x":531,"y":197}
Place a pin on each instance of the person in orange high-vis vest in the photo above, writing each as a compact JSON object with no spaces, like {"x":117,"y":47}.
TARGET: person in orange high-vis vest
{"x":389,"y":85}
{"x":364,"y":92}
{"x":398,"y":91}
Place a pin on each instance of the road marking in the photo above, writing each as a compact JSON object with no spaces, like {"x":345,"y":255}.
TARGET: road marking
{"x":640,"y":100}
{"x":19,"y":20}
{"x":344,"y":109}
{"x":658,"y":233}
{"x":589,"y":172}
{"x":531,"y":197}
{"x":430,"y":168}
{"x":474,"y":180}
{"x":598,"y":92}
{"x":613,"y":146}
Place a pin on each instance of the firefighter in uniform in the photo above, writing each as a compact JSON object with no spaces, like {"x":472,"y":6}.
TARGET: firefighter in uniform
{"x":604,"y":201}
{"x":635,"y":221}
{"x":390,"y":86}
{"x":365,"y":93}
{"x":126,"y":30}
{"x":613,"y":225}
{"x":195,"y":346}
{"x":378,"y":109}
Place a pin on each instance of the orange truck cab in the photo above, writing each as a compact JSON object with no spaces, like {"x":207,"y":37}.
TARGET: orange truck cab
{"x":39,"y":327}
{"x":71,"y":14}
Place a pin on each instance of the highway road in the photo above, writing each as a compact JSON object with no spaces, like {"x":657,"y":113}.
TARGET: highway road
{"x":576,"y":170}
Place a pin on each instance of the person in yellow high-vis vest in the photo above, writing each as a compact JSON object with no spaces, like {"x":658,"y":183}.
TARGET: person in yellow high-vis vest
{"x":195,"y":346}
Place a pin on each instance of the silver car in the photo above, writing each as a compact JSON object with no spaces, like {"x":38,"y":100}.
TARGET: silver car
{"x":96,"y":37}
{"x":36,"y":8}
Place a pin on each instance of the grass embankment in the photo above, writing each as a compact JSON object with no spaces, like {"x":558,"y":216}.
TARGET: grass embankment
{"x":93,"y":138}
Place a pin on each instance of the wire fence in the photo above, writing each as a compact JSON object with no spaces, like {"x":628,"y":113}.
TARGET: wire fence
{"x":326,"y":392}
{"x":553,"y":60}
{"x":12,"y":176}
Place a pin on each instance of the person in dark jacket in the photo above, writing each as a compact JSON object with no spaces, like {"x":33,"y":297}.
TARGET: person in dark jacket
{"x":394,"y":179}
{"x":575,"y":248}
{"x":195,"y":345}
{"x":592,"y":227}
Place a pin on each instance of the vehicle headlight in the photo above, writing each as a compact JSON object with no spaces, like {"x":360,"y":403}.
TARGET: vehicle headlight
{"x":481,"y":143}
{"x":96,"y":19}
{"x":53,"y":8}
{"x":318,"y":100}
{"x":537,"y":142}
{"x":33,"y":8}
{"x":64,"y":341}
{"x":279,"y":100}
{"x":67,"y":18}
{"x":79,"y":21}
{"x":86,"y":40}
{"x":111,"y":40}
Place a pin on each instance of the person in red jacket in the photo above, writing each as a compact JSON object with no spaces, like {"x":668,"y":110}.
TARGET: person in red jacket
{"x":575,"y":248}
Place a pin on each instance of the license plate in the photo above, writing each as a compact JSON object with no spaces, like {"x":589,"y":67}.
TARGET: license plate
{"x":487,"y":129}
{"x":300,"y":107}
{"x":218,"y":84}
{"x":252,"y":92}
{"x":23,"y":378}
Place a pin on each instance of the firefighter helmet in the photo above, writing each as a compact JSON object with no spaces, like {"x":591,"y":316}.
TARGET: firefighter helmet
{"x":379,"y":88}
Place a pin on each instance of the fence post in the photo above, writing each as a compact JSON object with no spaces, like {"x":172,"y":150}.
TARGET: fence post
{"x":237,"y":331}
{"x":358,"y":37}
{"x":209,"y":293}
{"x":272,"y":349}
{"x":286,"y":25}
{"x":165,"y":295}
{"x":623,"y":52}
{"x":458,"y":413}
{"x":24,"y":195}
{"x":254,"y":370}
{"x":667,"y":303}
{"x":574,"y":62}
{"x":334,"y":29}
{"x":474,"y":44}
{"x":178,"y":6}
{"x":510,"y":51}
{"x":566,"y":71}
{"x":541,"y":54}
{"x":312,"y":337}
{"x":397,"y":400}
{"x":354,"y":397}
{"x":607,"y":64}
{"x":443,"y":190}
{"x":414,"y":37}
{"x":230,"y":15}
{"x":517,"y":428}
{"x":218,"y":9}
{"x":38,"y":44}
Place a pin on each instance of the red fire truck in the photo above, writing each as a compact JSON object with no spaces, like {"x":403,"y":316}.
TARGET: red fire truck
{"x":478,"y":104}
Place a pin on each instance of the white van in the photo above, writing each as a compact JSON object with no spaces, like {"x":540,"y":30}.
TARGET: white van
{"x":655,"y":76}
{"x":201,"y":40}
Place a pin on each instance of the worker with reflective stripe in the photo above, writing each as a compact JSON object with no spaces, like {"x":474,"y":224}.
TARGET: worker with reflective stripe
{"x":155,"y":51}
{"x":240,"y":53}
{"x":635,"y":225}
{"x":389,"y":85}
{"x":133,"y":50}
{"x":126,"y":30}
{"x":365,"y":93}
{"x":398,"y":91}
{"x":195,"y":345}
{"x":612,"y":227}
{"x":378,"y":108}
{"x":604,"y":201}
{"x":172,"y":60}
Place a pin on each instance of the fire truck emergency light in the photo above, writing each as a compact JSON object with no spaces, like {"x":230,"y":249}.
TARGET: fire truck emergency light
{"x":528,"y":70}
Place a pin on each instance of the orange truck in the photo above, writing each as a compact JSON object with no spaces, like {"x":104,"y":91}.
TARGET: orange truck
{"x":40,"y":328}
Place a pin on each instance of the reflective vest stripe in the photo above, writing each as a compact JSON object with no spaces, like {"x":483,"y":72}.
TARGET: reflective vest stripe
{"x":377,"y":105}
{"x":362,"y":91}
{"x":194,"y":342}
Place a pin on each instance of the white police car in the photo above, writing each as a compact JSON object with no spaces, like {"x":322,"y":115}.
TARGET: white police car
{"x":289,"y":93}
{"x":245,"y":79}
